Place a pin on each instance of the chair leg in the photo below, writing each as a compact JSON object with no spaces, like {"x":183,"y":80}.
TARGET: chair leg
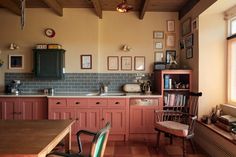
{"x":184,"y":148}
{"x":158,"y":139}
{"x":193,"y":145}
{"x":171,"y":139}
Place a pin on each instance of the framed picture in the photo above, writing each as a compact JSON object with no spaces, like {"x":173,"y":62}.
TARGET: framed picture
{"x":158,"y":34}
{"x":159,"y":55}
{"x":195,"y":24}
{"x":158,"y":45}
{"x":16,"y":62}
{"x":170,"y":55}
{"x":113,"y":63}
{"x":189,"y":53}
{"x":182,"y":44}
{"x":186,"y":27}
{"x":170,"y":40}
{"x":170,"y":25}
{"x":189,"y":41}
{"x":126,"y":63}
{"x":139,"y":63}
{"x":86,"y":61}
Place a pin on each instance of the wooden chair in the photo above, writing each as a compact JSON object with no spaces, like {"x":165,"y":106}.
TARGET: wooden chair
{"x":178,"y":123}
{"x":98,"y":144}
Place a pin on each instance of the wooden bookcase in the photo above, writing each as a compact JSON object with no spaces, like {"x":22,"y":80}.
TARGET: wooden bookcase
{"x":173,"y":85}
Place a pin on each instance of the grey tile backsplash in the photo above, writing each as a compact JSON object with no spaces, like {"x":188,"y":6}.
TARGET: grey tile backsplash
{"x":73,"y":82}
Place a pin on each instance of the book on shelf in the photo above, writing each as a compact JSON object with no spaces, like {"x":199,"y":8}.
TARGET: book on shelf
{"x":172,"y":100}
{"x":166,"y":81}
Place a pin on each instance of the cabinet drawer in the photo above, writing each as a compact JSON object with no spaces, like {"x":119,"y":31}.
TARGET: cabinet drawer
{"x":57,"y":102}
{"x":97,"y":102}
{"x":144,"y":102}
{"x":77,"y":102}
{"x":116,"y":102}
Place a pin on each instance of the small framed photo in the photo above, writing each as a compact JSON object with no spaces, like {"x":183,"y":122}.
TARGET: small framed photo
{"x":189,"y":53}
{"x":139,"y":63}
{"x":170,"y":56}
{"x":186,"y":27}
{"x":16,"y":62}
{"x":158,"y":45}
{"x":170,"y":25}
{"x":159,"y":55}
{"x":170,"y":40}
{"x":158,"y":35}
{"x":86,"y":61}
{"x":195,"y":24}
{"x":113,"y":63}
{"x":189,"y":41}
{"x":126,"y":63}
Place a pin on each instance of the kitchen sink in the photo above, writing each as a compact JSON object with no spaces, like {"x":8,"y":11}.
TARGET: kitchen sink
{"x":105,"y":94}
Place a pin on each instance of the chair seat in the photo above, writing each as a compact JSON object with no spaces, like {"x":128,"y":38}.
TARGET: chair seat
{"x":172,"y":127}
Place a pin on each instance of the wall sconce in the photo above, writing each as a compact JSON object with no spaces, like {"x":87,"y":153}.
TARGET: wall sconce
{"x":125,"y":48}
{"x":13,"y":46}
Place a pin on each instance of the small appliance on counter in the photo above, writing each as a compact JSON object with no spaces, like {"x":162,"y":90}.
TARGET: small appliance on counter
{"x":13,"y":87}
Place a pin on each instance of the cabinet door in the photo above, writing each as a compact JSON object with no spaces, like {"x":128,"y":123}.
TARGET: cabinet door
{"x":7,"y":108}
{"x":142,"y":119}
{"x":49,"y":63}
{"x":88,"y":119}
{"x":117,"y":119}
{"x":61,"y":113}
{"x":32,"y":108}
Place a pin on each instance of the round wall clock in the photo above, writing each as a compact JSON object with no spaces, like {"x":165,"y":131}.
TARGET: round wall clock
{"x":49,"y":32}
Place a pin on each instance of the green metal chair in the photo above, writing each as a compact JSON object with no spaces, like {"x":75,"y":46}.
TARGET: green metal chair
{"x":98,"y":143}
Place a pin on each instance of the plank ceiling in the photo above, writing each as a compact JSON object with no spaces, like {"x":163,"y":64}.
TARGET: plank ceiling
{"x":141,"y":6}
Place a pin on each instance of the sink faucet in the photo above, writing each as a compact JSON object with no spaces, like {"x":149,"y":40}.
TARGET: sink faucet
{"x":103,"y":87}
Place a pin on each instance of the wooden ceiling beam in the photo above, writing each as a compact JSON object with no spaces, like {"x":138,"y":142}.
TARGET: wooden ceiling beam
{"x":97,"y":7}
{"x":143,"y":9}
{"x":187,"y":7}
{"x":10,"y":5}
{"x":56,"y":7}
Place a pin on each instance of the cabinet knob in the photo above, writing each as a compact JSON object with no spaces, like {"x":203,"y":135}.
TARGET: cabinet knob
{"x":117,"y":102}
{"x":77,"y":119}
{"x":77,"y":103}
{"x":103,"y":119}
{"x":58,"y":103}
{"x":97,"y":102}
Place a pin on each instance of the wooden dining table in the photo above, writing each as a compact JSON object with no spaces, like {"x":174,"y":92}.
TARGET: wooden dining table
{"x":33,"y":138}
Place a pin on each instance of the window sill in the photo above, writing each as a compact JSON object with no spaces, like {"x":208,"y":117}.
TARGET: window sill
{"x":217,"y":130}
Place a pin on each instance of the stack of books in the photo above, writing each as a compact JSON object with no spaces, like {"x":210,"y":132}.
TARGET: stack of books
{"x":174,"y":100}
{"x":225,"y":122}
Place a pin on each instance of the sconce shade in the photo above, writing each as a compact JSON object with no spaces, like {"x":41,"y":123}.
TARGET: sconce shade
{"x":123,"y":7}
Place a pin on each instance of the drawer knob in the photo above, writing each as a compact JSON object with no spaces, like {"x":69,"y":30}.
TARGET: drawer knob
{"x":97,"y":102}
{"x":58,"y":103}
{"x":77,"y":103}
{"x":103,"y":119}
{"x":117,"y":103}
{"x":77,"y":119}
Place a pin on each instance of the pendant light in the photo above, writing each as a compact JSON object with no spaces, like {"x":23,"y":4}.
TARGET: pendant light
{"x":123,"y":7}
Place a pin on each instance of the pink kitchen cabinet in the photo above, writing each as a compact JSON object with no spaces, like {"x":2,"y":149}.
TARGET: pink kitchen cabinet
{"x":92,"y":113}
{"x":142,"y":119}
{"x":117,"y":119}
{"x":142,"y":115}
{"x":23,"y":108}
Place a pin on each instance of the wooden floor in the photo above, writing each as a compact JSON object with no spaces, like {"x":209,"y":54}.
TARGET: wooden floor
{"x":145,"y":149}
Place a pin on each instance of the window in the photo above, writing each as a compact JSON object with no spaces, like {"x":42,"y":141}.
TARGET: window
{"x":232,"y":26}
{"x":232,"y":62}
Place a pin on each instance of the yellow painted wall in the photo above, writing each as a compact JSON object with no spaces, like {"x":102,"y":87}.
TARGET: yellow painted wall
{"x":80,"y":31}
{"x":209,"y":51}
